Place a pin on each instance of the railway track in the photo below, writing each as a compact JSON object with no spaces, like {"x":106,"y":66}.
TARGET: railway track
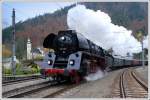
{"x":47,"y":89}
{"x":62,"y":90}
{"x":19,"y":92}
{"x":15,"y":80}
{"x":129,"y":85}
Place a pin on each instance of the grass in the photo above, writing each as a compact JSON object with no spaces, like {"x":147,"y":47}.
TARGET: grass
{"x":20,"y":71}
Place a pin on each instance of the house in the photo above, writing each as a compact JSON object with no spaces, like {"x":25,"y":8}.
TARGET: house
{"x":37,"y":53}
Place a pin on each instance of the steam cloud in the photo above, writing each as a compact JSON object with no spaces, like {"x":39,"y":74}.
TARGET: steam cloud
{"x":95,"y":76}
{"x":145,"y":42}
{"x":98,"y":27}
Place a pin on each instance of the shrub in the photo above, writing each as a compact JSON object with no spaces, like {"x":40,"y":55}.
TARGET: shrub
{"x":35,"y":68}
{"x":7,"y":71}
{"x":38,"y":58}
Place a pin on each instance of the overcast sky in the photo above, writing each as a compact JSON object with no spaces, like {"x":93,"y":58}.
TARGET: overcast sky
{"x":25,"y":10}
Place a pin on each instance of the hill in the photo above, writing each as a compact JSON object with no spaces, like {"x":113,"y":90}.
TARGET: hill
{"x":133,"y":16}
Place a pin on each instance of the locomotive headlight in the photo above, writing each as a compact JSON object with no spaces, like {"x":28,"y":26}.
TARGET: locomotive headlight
{"x":63,"y":38}
{"x":71,"y":62}
{"x":50,"y":62}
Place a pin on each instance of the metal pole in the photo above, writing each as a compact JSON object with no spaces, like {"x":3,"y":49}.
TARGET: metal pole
{"x":76,"y":3}
{"x":142,"y":53}
{"x":13,"y":41}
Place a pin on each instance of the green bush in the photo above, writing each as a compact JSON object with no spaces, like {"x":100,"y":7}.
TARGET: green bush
{"x":18,"y":65}
{"x":38,"y":58}
{"x":27,"y":72}
{"x":7,"y":71}
{"x":35,"y":68}
{"x":19,"y":71}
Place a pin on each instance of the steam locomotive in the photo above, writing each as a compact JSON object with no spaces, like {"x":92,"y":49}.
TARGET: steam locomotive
{"x":75,"y":56}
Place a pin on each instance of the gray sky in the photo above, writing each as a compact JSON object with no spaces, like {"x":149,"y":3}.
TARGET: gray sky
{"x":25,"y":10}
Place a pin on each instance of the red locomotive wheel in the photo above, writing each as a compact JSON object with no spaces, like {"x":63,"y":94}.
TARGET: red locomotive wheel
{"x":77,"y":78}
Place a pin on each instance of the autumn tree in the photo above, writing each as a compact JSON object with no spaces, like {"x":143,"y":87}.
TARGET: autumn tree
{"x":6,"y":52}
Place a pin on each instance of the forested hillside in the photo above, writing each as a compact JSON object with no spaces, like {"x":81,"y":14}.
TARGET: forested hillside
{"x":133,"y":16}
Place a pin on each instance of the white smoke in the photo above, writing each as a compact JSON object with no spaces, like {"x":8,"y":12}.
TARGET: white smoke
{"x":145,"y":42}
{"x":98,"y":27}
{"x":95,"y":76}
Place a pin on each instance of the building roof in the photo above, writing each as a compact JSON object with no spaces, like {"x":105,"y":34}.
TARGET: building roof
{"x":37,"y":50}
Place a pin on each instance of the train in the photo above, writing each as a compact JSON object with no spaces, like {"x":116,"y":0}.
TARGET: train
{"x":75,"y":57}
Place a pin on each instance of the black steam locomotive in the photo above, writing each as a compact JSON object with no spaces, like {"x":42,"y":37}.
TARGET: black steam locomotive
{"x":75,"y":57}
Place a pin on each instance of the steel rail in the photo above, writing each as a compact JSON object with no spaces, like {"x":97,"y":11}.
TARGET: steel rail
{"x":14,"y":79}
{"x":121,"y":84}
{"x":142,"y":83}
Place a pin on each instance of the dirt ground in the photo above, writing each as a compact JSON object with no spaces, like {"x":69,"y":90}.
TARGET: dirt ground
{"x":143,"y":71}
{"x":93,"y":89}
{"x":99,"y":88}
